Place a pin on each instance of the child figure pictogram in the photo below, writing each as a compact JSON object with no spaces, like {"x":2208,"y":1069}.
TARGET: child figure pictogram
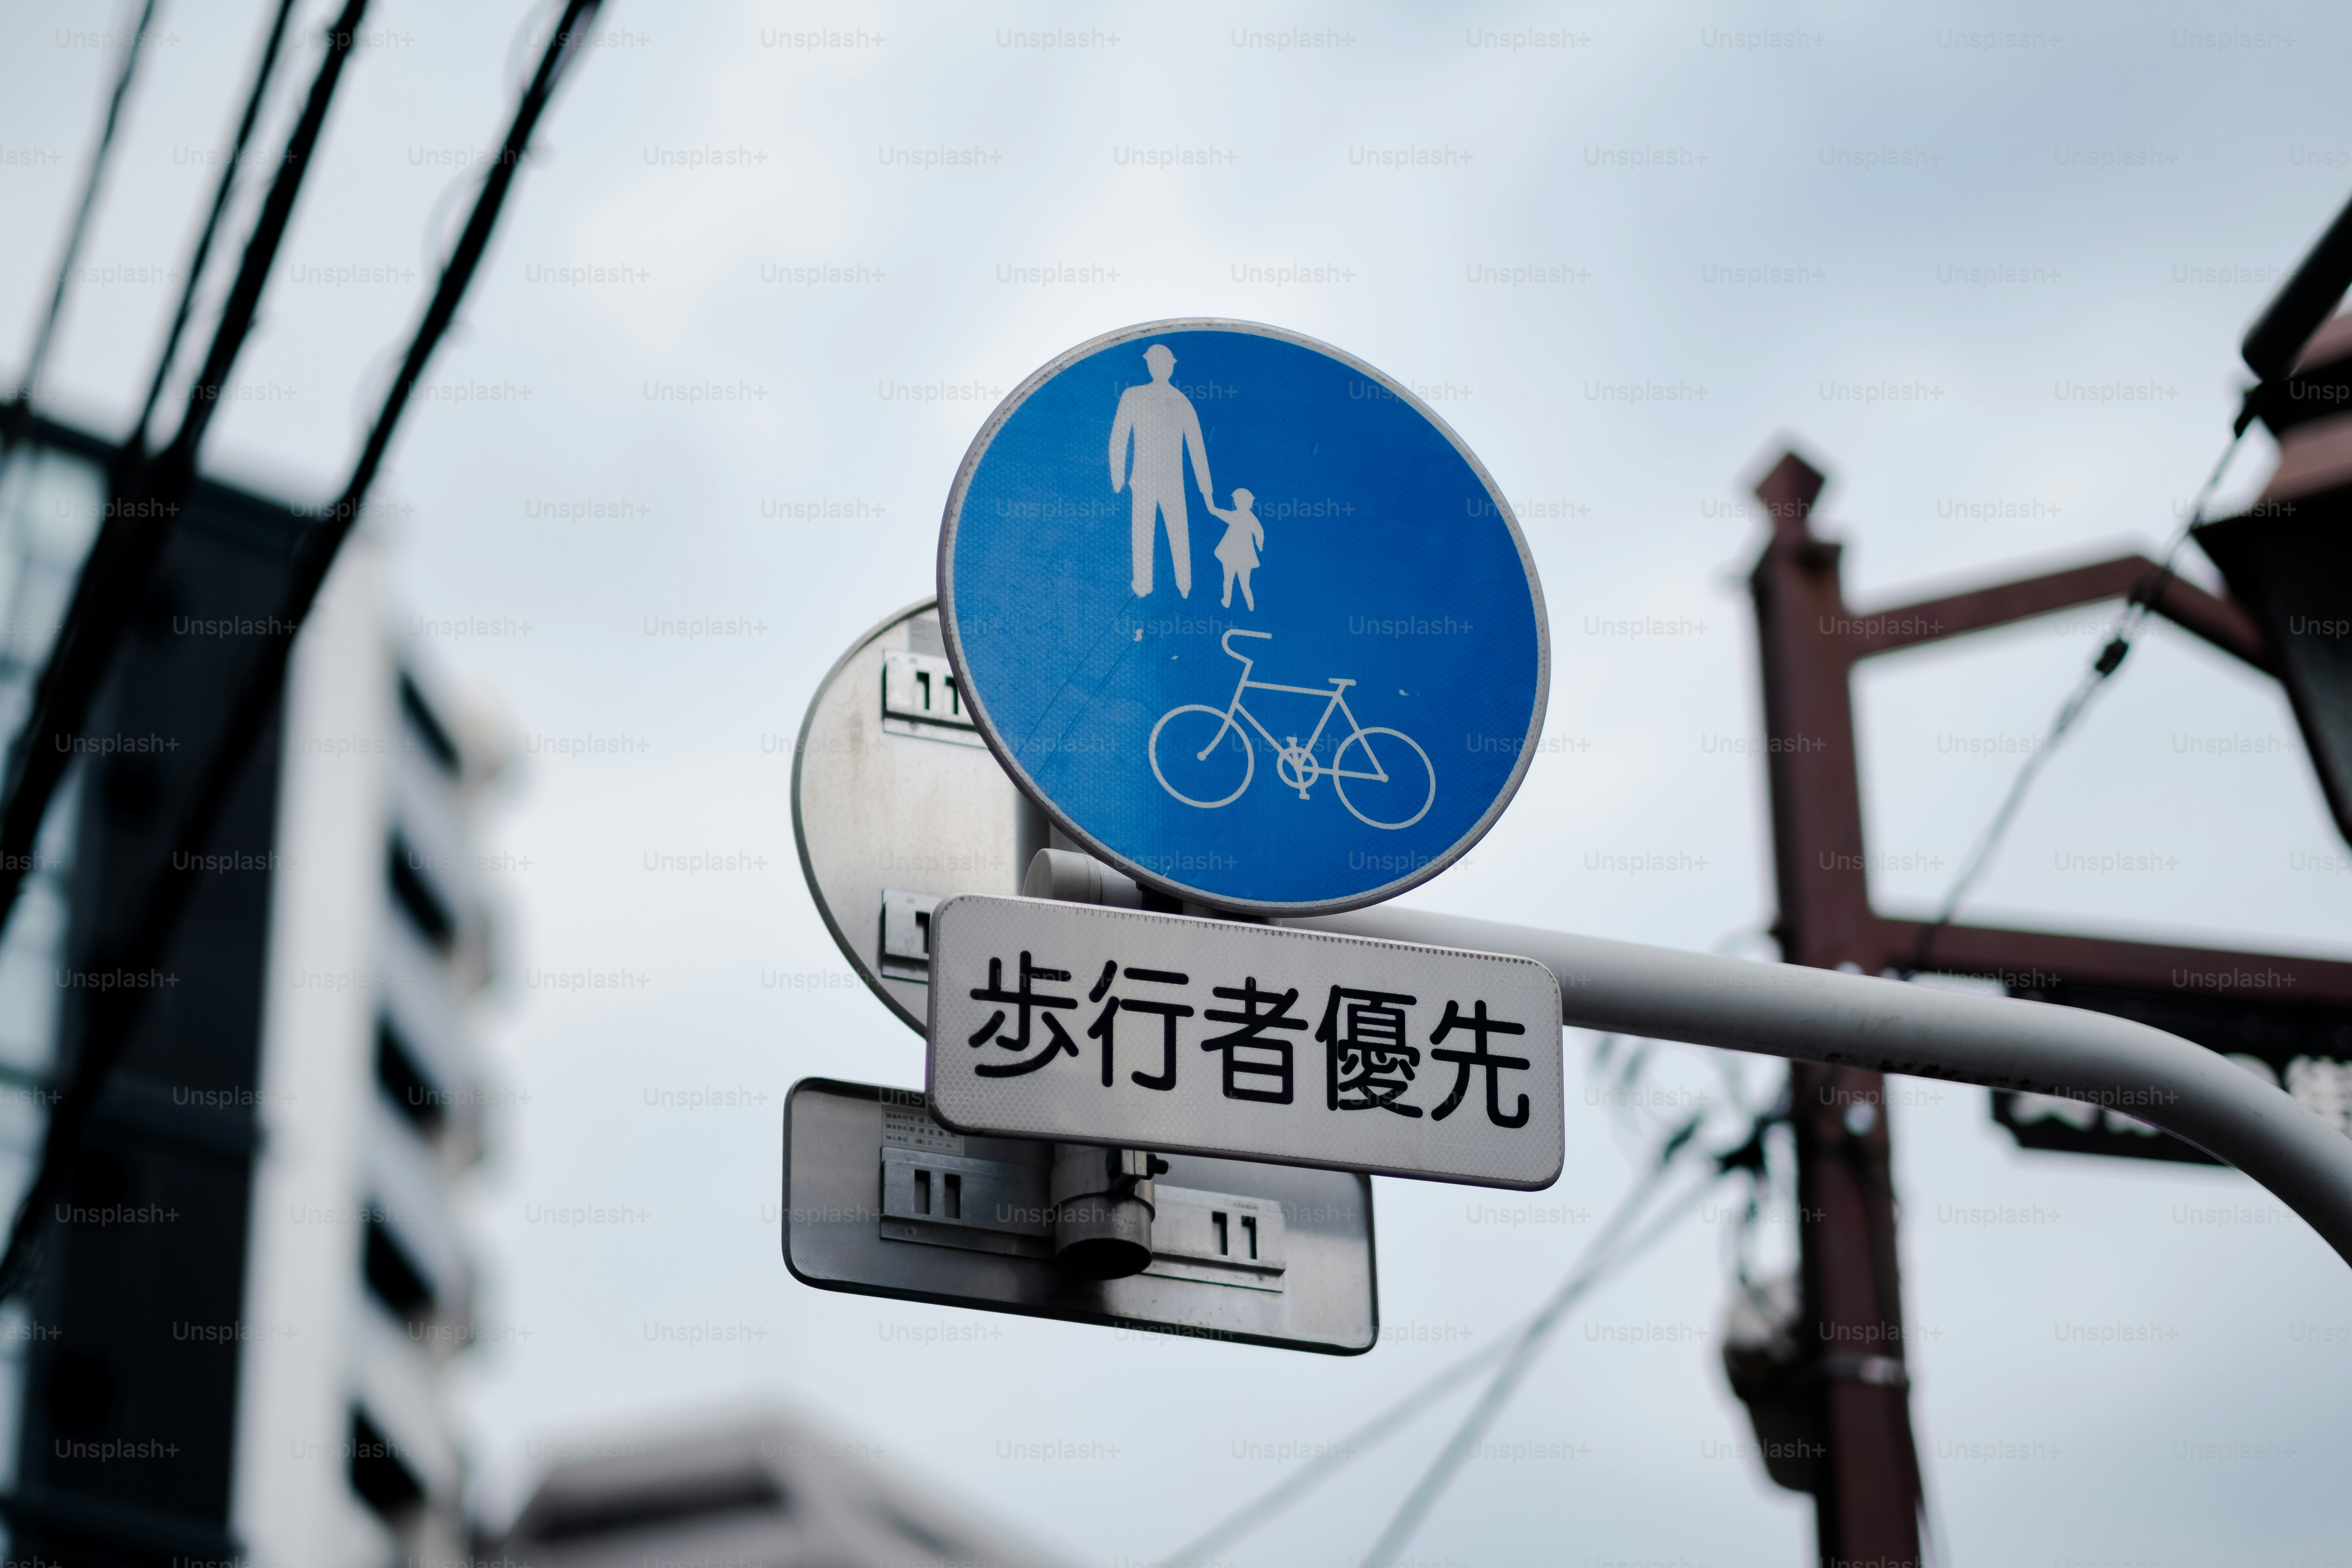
{"x":1238,"y":549}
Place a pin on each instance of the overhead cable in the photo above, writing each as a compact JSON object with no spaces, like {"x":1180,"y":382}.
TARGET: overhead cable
{"x":99,"y":158}
{"x":2144,"y":597}
{"x":1591,"y":1264}
{"x":195,"y":274}
{"x":1528,"y":1349}
{"x":144,"y":515}
{"x":115,"y":1013}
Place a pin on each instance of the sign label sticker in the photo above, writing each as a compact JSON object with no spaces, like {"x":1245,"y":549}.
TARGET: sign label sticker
{"x":1247,"y":619}
{"x":1177,"y":1035}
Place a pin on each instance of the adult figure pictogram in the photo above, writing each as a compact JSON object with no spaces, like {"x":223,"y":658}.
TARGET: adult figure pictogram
{"x":1160,"y":419}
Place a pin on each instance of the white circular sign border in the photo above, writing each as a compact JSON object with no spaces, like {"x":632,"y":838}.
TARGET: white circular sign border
{"x":976,"y":700}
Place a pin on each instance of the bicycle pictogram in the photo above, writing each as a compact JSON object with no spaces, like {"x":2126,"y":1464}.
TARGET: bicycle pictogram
{"x":1215,"y":773}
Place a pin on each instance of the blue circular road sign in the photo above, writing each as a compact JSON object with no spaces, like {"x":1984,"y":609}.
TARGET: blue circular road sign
{"x":1244,"y":617}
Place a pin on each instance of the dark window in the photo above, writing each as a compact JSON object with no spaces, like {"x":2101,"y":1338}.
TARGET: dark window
{"x":379,"y":1472}
{"x":394,"y":1277}
{"x":401,"y":1077}
{"x":435,"y":735}
{"x":424,"y":908}
{"x":691,"y":1497}
{"x":132,"y":787}
{"x":82,"y":1392}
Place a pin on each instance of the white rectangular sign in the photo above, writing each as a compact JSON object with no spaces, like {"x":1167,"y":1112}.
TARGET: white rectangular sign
{"x":1183,"y":1036}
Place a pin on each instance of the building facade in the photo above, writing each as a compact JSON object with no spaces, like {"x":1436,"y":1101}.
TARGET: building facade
{"x":765,"y":1490}
{"x":234,"y":1344}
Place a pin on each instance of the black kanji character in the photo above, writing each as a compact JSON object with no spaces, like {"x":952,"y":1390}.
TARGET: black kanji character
{"x":1482,"y":1026}
{"x":1367,"y":1056}
{"x":1261,"y":1011}
{"x":1102,"y":1028}
{"x":1022,"y":1001}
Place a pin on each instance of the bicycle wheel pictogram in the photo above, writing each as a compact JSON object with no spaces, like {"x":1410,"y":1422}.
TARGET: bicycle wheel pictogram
{"x":1390,"y":787}
{"x":1209,"y":760}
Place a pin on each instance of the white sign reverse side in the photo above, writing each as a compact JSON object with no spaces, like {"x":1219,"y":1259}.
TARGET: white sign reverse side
{"x":1164,"y":1032}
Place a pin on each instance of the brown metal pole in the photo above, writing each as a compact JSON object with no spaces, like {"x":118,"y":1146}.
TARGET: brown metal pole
{"x":1866,"y":1509}
{"x":1867,"y":1498}
{"x":1803,"y":631}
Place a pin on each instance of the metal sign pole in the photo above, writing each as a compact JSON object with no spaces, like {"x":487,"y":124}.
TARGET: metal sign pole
{"x":1886,"y":1026}
{"x":897,"y":808}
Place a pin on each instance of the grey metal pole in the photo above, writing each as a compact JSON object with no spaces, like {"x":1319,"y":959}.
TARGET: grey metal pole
{"x":1856,"y":1020}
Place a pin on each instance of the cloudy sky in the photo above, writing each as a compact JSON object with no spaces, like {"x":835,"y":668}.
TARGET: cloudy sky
{"x":1641,"y":251}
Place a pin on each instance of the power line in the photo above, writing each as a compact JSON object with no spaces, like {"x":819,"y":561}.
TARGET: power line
{"x":1252,"y":1514}
{"x":147,"y":496}
{"x":1588,"y":1270}
{"x":1505,"y":1382}
{"x":235,"y":161}
{"x":165,"y":896}
{"x":99,"y":158}
{"x":2143,"y":597}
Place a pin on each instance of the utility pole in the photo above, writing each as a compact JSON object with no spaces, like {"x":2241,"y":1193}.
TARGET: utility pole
{"x":1855,"y":1391}
{"x":1843,"y":1390}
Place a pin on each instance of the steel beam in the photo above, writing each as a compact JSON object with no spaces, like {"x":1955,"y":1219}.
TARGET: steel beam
{"x":2224,"y":623}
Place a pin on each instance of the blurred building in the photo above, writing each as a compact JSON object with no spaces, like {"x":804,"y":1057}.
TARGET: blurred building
{"x":766,"y":1494}
{"x":235,"y":1340}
